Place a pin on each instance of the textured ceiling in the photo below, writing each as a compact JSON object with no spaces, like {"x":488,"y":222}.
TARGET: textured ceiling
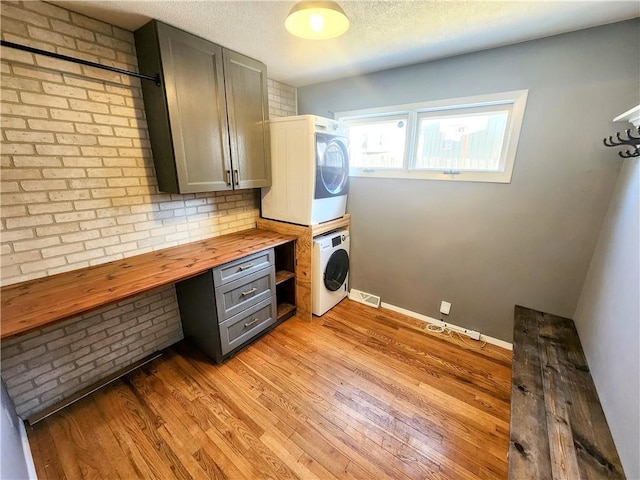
{"x":383,"y":34}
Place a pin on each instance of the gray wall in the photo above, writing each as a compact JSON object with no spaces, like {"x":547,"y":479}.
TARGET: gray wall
{"x":608,"y":316}
{"x":486,"y":247}
{"x":13,"y":465}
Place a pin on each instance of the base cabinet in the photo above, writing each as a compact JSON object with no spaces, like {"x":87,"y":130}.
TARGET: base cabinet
{"x":225,"y":308}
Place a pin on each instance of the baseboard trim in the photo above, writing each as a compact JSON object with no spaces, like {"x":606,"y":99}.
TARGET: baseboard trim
{"x":26,"y":451}
{"x":418,"y":316}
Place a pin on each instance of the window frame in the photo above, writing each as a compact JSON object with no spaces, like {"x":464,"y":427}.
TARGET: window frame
{"x":516,"y":99}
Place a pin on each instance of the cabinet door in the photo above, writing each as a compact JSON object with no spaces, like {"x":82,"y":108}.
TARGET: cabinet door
{"x":248,"y":111}
{"x":194,"y":84}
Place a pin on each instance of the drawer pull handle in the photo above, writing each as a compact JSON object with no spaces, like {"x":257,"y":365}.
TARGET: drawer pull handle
{"x":251,"y":323}
{"x":249,"y":292}
{"x":244,"y":267}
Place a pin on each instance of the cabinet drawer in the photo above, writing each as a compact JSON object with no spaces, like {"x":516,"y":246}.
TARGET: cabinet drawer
{"x":240,"y":294}
{"x":245,"y":266}
{"x":244,"y":326}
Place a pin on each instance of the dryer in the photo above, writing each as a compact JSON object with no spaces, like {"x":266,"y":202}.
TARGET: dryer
{"x":310,"y":170}
{"x":329,"y":271}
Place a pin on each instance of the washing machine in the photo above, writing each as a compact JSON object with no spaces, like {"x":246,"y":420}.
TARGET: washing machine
{"x":310,"y":170}
{"x":329,"y":271}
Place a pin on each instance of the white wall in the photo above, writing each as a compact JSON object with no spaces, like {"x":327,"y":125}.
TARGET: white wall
{"x":608,"y":315}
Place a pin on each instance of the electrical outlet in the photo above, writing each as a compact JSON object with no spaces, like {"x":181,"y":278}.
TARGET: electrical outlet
{"x":445,"y":307}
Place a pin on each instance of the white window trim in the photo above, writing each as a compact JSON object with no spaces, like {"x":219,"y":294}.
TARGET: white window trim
{"x":518,"y":100}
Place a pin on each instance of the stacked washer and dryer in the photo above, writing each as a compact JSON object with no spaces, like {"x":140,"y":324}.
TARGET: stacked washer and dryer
{"x":310,"y":182}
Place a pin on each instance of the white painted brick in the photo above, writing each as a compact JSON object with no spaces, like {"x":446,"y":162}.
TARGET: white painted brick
{"x":76,"y":372}
{"x":20,"y":83}
{"x":26,"y":136}
{"x":74,"y":216}
{"x":88,"y":83}
{"x":79,"y":257}
{"x":43,"y":100}
{"x":16,"y":235}
{"x":35,"y":244}
{"x":46,"y":35}
{"x":50,"y":208}
{"x":63,"y":173}
{"x":99,"y":151}
{"x":87,"y":183}
{"x":81,"y":236}
{"x":88,"y":106}
{"x":72,"y":30}
{"x":115,"y":142}
{"x":40,"y":185}
{"x":60,"y":150}
{"x":40,"y":266}
{"x":11,"y":148}
{"x":57,"y":229}
{"x":35,"y":392}
{"x":87,"y":162}
{"x":71,"y":139}
{"x":70,"y":358}
{"x":61,"y":250}
{"x":23,"y":15}
{"x":91,"y":204}
{"x":109,"y":120}
{"x":98,"y":50}
{"x":118,"y":230}
{"x":21,"y":174}
{"x":51,"y":126}
{"x":97,"y":372}
{"x":9,"y":187}
{"x":70,"y":115}
{"x":36,"y":72}
{"x":75,"y":194}
{"x":93,"y":129}
{"x":64,"y":90}
{"x":108,"y":192}
{"x":47,"y":10}
{"x":31,"y":221}
{"x":12,"y":122}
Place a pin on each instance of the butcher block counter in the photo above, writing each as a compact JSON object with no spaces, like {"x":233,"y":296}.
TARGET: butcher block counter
{"x":36,"y":303}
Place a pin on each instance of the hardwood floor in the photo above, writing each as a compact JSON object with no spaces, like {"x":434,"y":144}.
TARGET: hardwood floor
{"x":357,"y":393}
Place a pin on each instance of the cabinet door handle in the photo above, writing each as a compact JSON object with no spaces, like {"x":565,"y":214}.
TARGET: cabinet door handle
{"x":236,"y":177}
{"x":244,"y":267}
{"x":251,"y":323}
{"x":249,"y":292}
{"x":228,"y":177}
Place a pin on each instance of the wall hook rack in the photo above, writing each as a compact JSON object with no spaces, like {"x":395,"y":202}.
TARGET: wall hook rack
{"x":25,"y":48}
{"x":631,"y":140}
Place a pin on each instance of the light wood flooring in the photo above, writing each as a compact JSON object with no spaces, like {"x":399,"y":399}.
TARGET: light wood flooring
{"x":358,"y":393}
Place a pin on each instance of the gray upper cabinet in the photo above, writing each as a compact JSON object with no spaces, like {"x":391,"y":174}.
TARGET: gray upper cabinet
{"x":208,"y":121}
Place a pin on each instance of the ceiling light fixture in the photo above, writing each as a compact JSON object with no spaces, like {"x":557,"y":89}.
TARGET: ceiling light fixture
{"x":316,"y":20}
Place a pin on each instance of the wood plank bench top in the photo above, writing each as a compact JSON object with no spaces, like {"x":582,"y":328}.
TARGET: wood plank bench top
{"x":558,"y":429}
{"x":33,"y":304}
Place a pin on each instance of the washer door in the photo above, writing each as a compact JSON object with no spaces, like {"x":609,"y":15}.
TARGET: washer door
{"x":336,"y":270}
{"x":332,"y":166}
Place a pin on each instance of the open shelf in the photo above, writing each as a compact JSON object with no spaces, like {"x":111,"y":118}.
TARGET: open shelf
{"x":285,"y":310}
{"x":283,"y":276}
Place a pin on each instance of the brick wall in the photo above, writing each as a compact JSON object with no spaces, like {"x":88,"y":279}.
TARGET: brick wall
{"x":79,"y":189}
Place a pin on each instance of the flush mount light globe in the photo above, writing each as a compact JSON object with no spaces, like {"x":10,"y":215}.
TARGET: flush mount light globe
{"x":316,"y":20}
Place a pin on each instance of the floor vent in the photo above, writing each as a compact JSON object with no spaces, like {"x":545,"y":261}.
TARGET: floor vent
{"x":363,"y":297}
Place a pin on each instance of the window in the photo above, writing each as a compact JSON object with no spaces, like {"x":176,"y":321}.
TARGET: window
{"x":464,"y":139}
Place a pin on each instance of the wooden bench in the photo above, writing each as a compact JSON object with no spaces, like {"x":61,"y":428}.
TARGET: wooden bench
{"x":558,"y":429}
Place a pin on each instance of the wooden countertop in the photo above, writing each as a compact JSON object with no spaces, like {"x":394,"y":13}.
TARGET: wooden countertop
{"x":40,"y":302}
